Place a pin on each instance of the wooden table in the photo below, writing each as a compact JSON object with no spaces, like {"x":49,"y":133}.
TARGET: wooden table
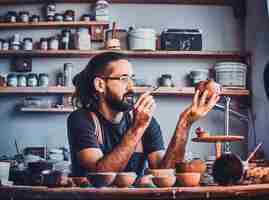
{"x":259,"y":192}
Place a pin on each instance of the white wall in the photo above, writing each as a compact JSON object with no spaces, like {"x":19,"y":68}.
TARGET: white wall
{"x":221,"y":31}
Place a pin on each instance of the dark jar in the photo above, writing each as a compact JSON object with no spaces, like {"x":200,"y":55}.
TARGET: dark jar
{"x":43,"y":44}
{"x":27,"y":44}
{"x":35,"y":18}
{"x":22,"y":82}
{"x":43,"y":80}
{"x":24,"y":16}
{"x":11,"y":16}
{"x":32,"y":80}
{"x":69,"y":15}
{"x":12,"y":80}
{"x":166,"y":80}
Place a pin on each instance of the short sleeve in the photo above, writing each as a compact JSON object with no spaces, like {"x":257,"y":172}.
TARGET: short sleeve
{"x":81,"y":131}
{"x":152,"y":139}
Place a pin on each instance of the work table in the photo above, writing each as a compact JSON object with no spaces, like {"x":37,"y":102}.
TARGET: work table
{"x":258,"y":191}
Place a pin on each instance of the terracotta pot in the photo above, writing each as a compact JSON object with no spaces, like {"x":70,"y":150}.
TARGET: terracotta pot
{"x":101,"y":179}
{"x":161,"y":172}
{"x":164,"y":181}
{"x":188,"y":179}
{"x":125,"y":179}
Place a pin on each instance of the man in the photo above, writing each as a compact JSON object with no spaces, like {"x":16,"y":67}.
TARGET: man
{"x":107,"y":133}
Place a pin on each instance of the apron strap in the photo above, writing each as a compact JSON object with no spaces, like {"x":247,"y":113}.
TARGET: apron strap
{"x":98,"y":130}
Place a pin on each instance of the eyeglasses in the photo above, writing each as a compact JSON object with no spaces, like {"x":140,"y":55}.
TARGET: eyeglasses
{"x":124,"y":78}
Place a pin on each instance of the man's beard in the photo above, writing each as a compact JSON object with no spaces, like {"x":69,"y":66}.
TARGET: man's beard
{"x":121,"y":105}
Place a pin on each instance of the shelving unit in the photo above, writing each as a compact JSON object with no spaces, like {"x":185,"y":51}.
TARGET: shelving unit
{"x":229,"y":55}
{"x":162,"y":91}
{"x":50,"y":110}
{"x":52,"y":25}
{"x":198,"y":2}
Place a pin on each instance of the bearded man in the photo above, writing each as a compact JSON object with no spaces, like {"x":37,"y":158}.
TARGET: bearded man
{"x":109,"y":133}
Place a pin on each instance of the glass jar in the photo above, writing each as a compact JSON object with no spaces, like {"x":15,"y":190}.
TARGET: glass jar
{"x":69,"y":15}
{"x":27,"y":44}
{"x":65,"y":39}
{"x":86,"y":18}
{"x":60,"y":79}
{"x":21,"y":80}
{"x":14,"y":46}
{"x":58,"y":17}
{"x":102,"y":10}
{"x":43,"y":80}
{"x":1,"y":43}
{"x":50,"y":11}
{"x":82,"y":39}
{"x":68,"y":67}
{"x":32,"y":80}
{"x":43,"y":44}
{"x":35,"y":18}
{"x":5,"y":45}
{"x":24,"y":16}
{"x":11,"y":16}
{"x":166,"y":80}
{"x":53,"y":43}
{"x":12,"y":80}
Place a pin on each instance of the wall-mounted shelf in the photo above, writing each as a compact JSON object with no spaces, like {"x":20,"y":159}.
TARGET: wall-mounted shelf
{"x":199,"y":2}
{"x":47,"y":25}
{"x":36,"y":90}
{"x":228,"y":55}
{"x":50,"y":110}
{"x":162,"y":91}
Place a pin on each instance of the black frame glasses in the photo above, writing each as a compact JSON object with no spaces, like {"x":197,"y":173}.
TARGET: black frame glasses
{"x":123,"y":78}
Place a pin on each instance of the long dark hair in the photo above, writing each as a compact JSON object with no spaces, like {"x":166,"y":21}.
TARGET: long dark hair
{"x":85,"y":95}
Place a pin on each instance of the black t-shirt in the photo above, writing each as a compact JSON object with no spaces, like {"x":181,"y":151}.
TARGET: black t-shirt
{"x":81,"y":135}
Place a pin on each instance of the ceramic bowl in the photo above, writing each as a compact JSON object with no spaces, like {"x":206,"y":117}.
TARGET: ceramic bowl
{"x":101,"y":179}
{"x":161,"y":172}
{"x":164,"y":181}
{"x":188,"y":179}
{"x":125,"y":179}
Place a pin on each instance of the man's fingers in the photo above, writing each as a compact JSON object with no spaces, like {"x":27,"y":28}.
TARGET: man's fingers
{"x":196,"y":97}
{"x":203,"y":98}
{"x":141,"y":98}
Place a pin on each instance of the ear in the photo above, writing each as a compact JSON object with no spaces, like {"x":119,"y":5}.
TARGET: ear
{"x":99,"y":84}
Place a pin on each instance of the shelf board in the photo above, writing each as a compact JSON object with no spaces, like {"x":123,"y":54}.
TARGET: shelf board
{"x":198,"y":2}
{"x":231,"y":55}
{"x":58,"y":110}
{"x":36,"y":90}
{"x":162,"y":91}
{"x":32,"y":25}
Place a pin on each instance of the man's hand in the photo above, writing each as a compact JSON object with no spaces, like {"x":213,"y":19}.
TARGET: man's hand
{"x":201,"y":105}
{"x":143,"y":110}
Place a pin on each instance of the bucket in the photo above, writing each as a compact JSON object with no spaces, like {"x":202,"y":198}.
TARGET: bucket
{"x":4,"y":171}
{"x":231,"y":74}
{"x":142,"y":39}
{"x":198,"y":75}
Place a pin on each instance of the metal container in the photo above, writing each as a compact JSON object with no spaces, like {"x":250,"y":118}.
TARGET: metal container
{"x":21,"y":80}
{"x":43,"y":80}
{"x":142,"y":39}
{"x":32,"y":80}
{"x":27,"y":44}
{"x":68,"y":67}
{"x":12,"y":80}
{"x":231,"y":74}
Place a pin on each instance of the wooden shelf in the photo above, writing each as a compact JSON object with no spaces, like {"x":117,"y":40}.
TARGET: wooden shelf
{"x":198,"y":2}
{"x":228,"y":55}
{"x":36,"y":90}
{"x":162,"y":91}
{"x":33,"y":25}
{"x":54,"y":110}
